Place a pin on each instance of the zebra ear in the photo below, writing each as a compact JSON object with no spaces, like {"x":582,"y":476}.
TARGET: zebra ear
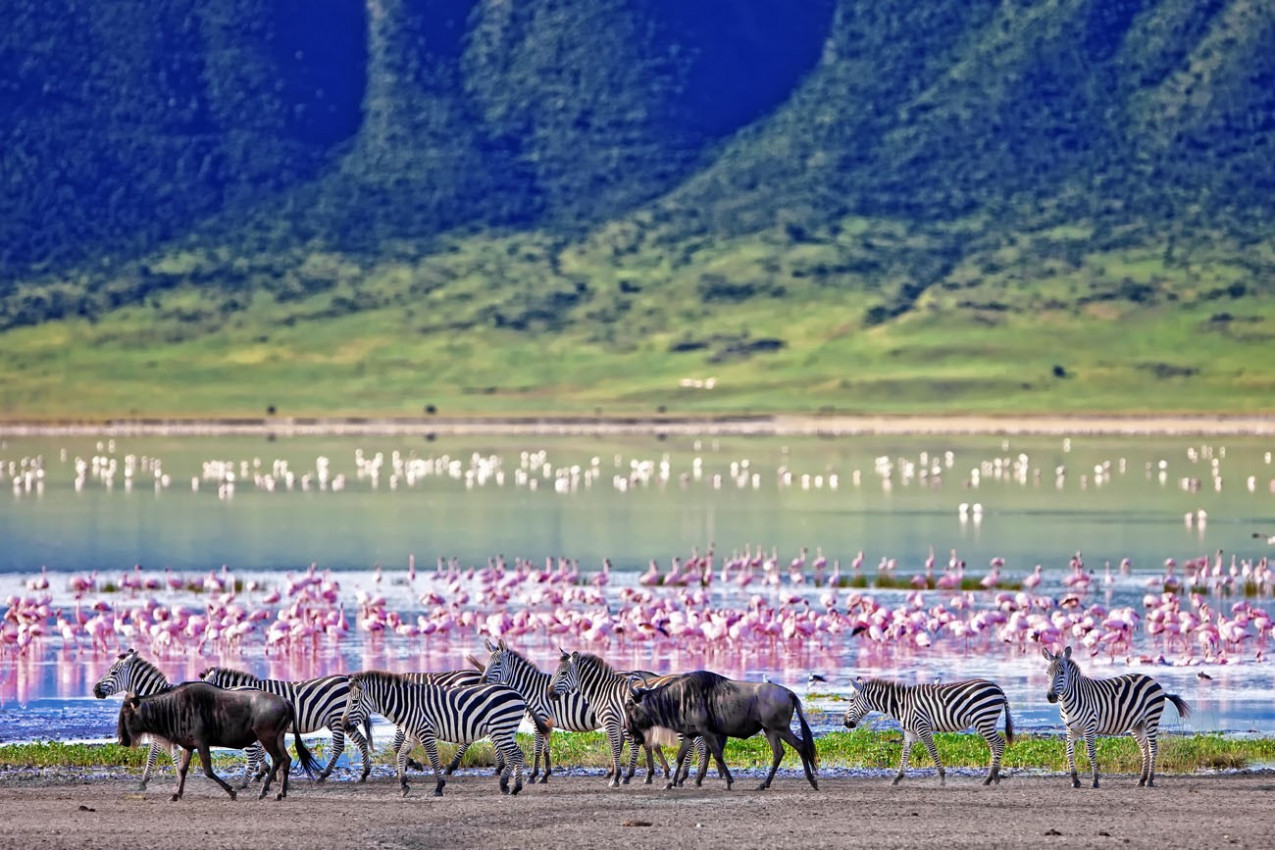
{"x":859,"y":681}
{"x":1049,"y":656}
{"x":566,"y":656}
{"x":1067,"y":652}
{"x":487,"y":643}
{"x":501,"y":643}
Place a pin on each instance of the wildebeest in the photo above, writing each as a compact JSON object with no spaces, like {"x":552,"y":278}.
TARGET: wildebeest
{"x":196,"y":716}
{"x":706,"y":704}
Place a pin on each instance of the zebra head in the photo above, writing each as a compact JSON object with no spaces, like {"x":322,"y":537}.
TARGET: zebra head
{"x":1061,"y":671}
{"x":566,"y":678}
{"x":860,"y":704}
{"x":119,"y":677}
{"x":353,"y":702}
{"x":497,"y":669}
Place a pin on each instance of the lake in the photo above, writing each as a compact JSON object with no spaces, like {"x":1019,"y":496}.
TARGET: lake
{"x":263,"y":510}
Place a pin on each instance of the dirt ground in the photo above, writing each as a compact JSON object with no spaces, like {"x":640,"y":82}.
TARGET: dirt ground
{"x":581,"y":812}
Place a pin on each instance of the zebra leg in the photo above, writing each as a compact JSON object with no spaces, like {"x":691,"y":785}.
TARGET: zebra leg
{"x":997,"y":745}
{"x":1071,"y":759}
{"x":633,"y":760}
{"x":546,"y":754}
{"x":909,"y":738}
{"x":151,"y":758}
{"x":928,"y":740}
{"x":513,"y":760}
{"x":399,"y":737}
{"x":404,"y":747}
{"x":701,"y":753}
{"x":431,"y":749}
{"x":253,"y":767}
{"x":1091,"y":747}
{"x":1140,"y":735}
{"x":1153,"y":750}
{"x":615,"y":737}
{"x":182,"y":766}
{"x":454,"y":764}
{"x":364,"y":750}
{"x":338,"y":747}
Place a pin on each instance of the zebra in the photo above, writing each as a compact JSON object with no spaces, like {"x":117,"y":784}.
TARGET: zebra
{"x":319,"y":704}
{"x":1131,"y":703}
{"x":427,"y":713}
{"x":923,"y":710}
{"x":571,"y":713}
{"x":462,"y":678}
{"x":605,"y":690}
{"x":133,"y":674}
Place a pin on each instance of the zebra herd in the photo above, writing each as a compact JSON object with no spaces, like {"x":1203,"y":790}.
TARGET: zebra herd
{"x":585,"y":693}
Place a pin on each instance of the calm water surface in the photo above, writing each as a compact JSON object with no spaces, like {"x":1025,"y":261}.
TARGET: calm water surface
{"x":265,"y":507}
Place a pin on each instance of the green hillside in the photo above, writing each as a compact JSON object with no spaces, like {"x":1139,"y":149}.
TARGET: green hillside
{"x":596,"y":205}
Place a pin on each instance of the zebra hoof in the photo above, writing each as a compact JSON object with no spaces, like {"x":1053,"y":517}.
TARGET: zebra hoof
{"x":279,"y":796}
{"x":649,"y":779}
{"x":174,"y":798}
{"x":407,"y":788}
{"x":1095,"y":783}
{"x":544,"y":780}
{"x":668,"y":786}
{"x":517,"y":788}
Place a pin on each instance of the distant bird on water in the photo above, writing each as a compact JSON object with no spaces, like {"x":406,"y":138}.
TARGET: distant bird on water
{"x":1270,"y":538}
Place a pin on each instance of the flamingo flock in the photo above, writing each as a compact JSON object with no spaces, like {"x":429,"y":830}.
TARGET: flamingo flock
{"x":741,"y":604}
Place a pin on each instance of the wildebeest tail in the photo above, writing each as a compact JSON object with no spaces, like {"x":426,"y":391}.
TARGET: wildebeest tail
{"x":1184,"y":707}
{"x":807,"y":737}
{"x":308,"y":762}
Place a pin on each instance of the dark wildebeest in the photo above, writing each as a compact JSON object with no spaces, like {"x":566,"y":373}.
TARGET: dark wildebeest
{"x":196,"y":716}
{"x":714,"y":707}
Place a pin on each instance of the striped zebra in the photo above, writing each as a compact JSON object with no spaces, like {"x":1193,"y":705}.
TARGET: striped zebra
{"x":605,"y":689}
{"x":133,"y":674}
{"x":923,"y":710}
{"x":318,"y":703}
{"x":462,"y":678}
{"x":428,"y":713}
{"x":1090,"y":707}
{"x":571,"y":713}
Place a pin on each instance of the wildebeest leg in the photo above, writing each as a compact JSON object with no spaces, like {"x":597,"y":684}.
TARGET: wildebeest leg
{"x":715,"y":746}
{"x":279,"y":758}
{"x":651,"y":753}
{"x":338,"y":747}
{"x":205,"y":758}
{"x":777,"y":751}
{"x":182,"y":766}
{"x":787,"y":736}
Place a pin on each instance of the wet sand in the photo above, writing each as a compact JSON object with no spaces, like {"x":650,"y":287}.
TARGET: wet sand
{"x":580,"y":813}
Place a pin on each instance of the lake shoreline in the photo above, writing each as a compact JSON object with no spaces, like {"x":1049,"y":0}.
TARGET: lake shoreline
{"x":762,"y":425}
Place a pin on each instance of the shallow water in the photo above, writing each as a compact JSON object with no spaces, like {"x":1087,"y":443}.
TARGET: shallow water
{"x":631,"y":500}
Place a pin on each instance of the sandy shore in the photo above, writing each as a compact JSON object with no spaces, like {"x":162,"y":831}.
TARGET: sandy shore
{"x":758,"y":425}
{"x":579,"y":813}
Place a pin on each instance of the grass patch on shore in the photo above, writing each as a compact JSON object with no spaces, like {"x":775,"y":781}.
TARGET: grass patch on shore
{"x":862,"y":748}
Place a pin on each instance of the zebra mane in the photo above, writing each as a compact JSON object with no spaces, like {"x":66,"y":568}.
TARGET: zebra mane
{"x":383,"y":677}
{"x":233,"y":672}
{"x":139,"y":667}
{"x":589,"y":661}
{"x":519,"y":659}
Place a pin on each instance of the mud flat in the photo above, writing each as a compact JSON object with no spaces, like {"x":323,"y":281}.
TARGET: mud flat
{"x":1196,"y":811}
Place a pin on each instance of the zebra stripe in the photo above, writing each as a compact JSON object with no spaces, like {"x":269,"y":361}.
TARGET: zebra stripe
{"x":923,"y":710}
{"x":605,"y":690}
{"x":462,"y":678}
{"x":133,"y":674}
{"x":428,"y":713}
{"x":318,"y":703}
{"x":1091,"y":707}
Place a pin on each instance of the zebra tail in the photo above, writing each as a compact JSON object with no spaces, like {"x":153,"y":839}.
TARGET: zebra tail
{"x":544,"y":725}
{"x":367,"y":731}
{"x":1184,"y":707}
{"x":807,"y":737}
{"x":308,"y":763}
{"x":1009,"y":726}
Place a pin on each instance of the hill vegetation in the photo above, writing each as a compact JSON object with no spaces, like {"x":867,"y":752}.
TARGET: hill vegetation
{"x":600,"y":205}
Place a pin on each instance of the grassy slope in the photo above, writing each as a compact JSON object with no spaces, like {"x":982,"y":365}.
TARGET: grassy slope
{"x":979,"y":341}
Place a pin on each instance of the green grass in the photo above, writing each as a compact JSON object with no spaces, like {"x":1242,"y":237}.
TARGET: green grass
{"x":860,"y":748}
